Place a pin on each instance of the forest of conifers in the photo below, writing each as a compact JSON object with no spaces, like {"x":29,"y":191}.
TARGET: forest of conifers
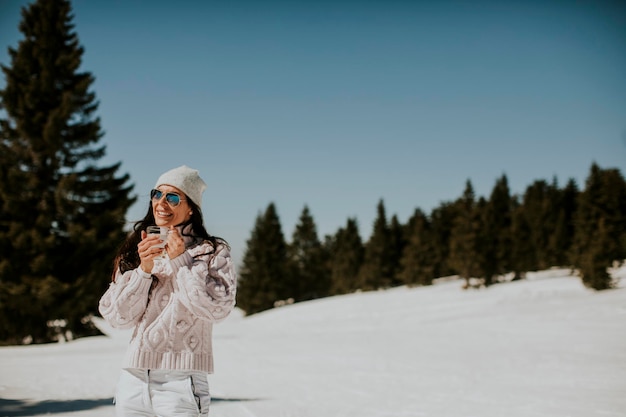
{"x":482,"y":240}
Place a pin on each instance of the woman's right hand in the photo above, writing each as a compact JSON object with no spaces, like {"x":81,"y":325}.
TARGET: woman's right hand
{"x":148,"y":250}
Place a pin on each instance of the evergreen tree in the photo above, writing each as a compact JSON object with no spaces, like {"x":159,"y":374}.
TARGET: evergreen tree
{"x":61,"y":214}
{"x":553,"y":213}
{"x":523,"y":257}
{"x":482,"y":241}
{"x":496,"y":232}
{"x":311,"y":277}
{"x":538,"y":216}
{"x":600,"y":235}
{"x":397,"y":242}
{"x":263,"y":278}
{"x":377,"y":269}
{"x":464,"y":236}
{"x":417,"y":259}
{"x":441,"y":225}
{"x":346,"y":258}
{"x":560,"y":240}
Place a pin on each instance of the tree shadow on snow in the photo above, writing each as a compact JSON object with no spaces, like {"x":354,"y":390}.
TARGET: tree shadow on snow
{"x":22,"y":408}
{"x":15,"y":408}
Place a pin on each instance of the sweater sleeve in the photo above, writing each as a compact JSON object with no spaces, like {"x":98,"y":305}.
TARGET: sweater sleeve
{"x":207,"y":283}
{"x":124,"y":303}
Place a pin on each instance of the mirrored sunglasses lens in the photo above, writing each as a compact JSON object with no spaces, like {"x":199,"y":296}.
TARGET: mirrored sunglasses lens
{"x":173,"y":199}
{"x":156,"y":194}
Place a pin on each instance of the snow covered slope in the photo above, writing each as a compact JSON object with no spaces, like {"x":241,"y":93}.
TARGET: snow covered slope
{"x":542,"y":347}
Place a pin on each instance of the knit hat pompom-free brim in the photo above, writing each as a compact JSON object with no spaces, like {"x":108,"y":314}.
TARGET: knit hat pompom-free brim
{"x":186,"y":180}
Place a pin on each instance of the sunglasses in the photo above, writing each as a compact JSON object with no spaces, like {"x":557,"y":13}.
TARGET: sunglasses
{"x":172,"y":199}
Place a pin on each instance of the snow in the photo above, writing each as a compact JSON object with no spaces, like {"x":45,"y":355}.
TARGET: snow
{"x":541,"y":347}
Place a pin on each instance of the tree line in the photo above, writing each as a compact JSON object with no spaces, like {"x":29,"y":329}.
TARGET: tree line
{"x":484,"y":240}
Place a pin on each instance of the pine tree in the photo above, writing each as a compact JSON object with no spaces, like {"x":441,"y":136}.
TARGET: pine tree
{"x":397,"y":242}
{"x":553,"y":213}
{"x":441,"y":225}
{"x":523,"y":256}
{"x":538,"y":212}
{"x":377,"y":269}
{"x":346,"y":258}
{"x":600,"y":235}
{"x":311,"y":277}
{"x":560,"y":240}
{"x":263,"y":278}
{"x":482,"y":241}
{"x":417,"y":258}
{"x":496,"y":232}
{"x":464,"y":236}
{"x":61,"y":214}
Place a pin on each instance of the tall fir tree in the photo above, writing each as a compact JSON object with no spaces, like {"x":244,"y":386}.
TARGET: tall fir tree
{"x":377,"y":269}
{"x":346,"y":258}
{"x":482,"y":241}
{"x":417,"y":257}
{"x":523,"y":256}
{"x":464,"y":236}
{"x":600,"y":235}
{"x":561,"y":239}
{"x":310,"y":277}
{"x":263,"y":278}
{"x":441,"y":225}
{"x":538,"y":209}
{"x":496,"y":244}
{"x":62,"y":215}
{"x":397,"y":242}
{"x":553,"y":211}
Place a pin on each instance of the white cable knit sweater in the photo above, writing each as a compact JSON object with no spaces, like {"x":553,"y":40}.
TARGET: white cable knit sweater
{"x":173,"y":310}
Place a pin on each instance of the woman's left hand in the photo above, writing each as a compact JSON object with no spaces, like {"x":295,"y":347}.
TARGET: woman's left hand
{"x":175,"y":245}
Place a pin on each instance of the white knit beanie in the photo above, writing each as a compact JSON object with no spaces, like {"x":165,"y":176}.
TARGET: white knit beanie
{"x":186,"y":180}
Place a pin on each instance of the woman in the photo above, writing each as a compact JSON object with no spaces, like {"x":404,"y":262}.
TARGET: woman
{"x":172,"y":302}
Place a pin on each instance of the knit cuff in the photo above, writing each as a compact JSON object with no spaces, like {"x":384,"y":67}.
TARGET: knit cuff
{"x":184,"y":259}
{"x":143,"y":274}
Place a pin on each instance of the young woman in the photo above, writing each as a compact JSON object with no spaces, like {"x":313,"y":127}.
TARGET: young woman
{"x":171,"y":301}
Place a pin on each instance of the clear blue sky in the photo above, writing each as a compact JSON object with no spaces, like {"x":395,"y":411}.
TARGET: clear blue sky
{"x":338,"y":104}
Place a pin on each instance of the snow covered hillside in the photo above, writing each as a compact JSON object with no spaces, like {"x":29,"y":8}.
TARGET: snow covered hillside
{"x":542,"y":347}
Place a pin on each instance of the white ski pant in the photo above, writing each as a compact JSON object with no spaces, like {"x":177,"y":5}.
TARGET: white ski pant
{"x":162,"y":393}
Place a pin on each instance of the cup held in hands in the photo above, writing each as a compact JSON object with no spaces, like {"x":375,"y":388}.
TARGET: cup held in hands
{"x":162,"y":232}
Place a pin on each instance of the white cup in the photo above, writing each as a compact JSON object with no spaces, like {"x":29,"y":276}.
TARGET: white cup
{"x":162,"y":232}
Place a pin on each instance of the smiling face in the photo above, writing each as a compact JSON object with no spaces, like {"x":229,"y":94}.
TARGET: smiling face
{"x":167,"y":215}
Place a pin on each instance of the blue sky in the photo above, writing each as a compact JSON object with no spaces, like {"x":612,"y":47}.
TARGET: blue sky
{"x":338,"y":104}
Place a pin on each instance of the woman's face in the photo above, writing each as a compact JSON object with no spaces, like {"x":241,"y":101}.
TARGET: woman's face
{"x":166,"y":214}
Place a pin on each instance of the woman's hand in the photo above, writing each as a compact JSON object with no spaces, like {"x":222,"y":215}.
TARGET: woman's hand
{"x":148,"y":250}
{"x":175,"y":244}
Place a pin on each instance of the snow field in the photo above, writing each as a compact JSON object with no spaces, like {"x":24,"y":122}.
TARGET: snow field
{"x":542,"y":347}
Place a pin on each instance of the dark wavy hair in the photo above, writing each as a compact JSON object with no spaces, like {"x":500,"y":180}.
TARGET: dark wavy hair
{"x":127,"y":257}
